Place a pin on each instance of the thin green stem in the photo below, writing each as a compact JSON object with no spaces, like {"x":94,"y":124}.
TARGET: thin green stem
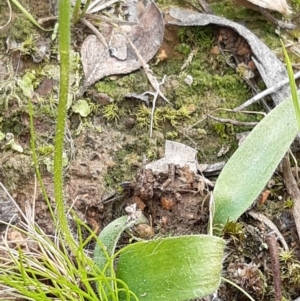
{"x":238,"y":287}
{"x":34,"y":157}
{"x":64,"y":50}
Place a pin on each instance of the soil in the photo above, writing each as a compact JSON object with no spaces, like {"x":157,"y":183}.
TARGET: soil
{"x":107,"y":151}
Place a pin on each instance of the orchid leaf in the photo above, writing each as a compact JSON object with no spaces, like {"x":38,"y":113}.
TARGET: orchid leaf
{"x":251,"y":166}
{"x":173,"y":268}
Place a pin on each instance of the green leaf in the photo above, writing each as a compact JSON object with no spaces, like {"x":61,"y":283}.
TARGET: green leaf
{"x":82,"y":107}
{"x":173,"y":268}
{"x":2,"y":136}
{"x":28,"y":15}
{"x":292,"y":84}
{"x":109,"y":237}
{"x":251,"y":166}
{"x":26,"y":84}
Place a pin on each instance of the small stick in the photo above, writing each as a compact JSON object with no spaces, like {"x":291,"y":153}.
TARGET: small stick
{"x":95,"y":31}
{"x":109,"y":20}
{"x":155,"y":95}
{"x":47,"y":19}
{"x":263,"y":219}
{"x":205,"y":7}
{"x":264,"y":93}
{"x":273,"y":250}
{"x":10,"y":15}
{"x":232,"y":121}
{"x":292,"y":189}
{"x":152,"y":79}
{"x":279,"y":23}
{"x":152,"y":112}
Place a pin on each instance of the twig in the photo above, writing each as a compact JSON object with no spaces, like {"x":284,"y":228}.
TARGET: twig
{"x":94,"y":30}
{"x":109,"y":20}
{"x":155,"y":95}
{"x":263,"y":219}
{"x":47,"y":19}
{"x":264,"y":93}
{"x":10,"y":14}
{"x":281,"y":24}
{"x":296,"y":165}
{"x":232,"y":121}
{"x":273,"y":250}
{"x":292,"y":189}
{"x":152,"y":79}
{"x":205,"y":7}
{"x":189,"y":59}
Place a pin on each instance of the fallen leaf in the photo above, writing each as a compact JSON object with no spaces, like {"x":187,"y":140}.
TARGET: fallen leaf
{"x":119,"y":58}
{"x":276,"y":5}
{"x":271,"y":69}
{"x":167,"y":203}
{"x":263,"y":197}
{"x":175,"y":153}
{"x":140,"y":204}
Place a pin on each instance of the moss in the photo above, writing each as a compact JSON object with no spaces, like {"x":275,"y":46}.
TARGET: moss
{"x":288,"y":204}
{"x":295,"y":4}
{"x":45,"y":149}
{"x":19,"y":28}
{"x":118,"y":87}
{"x":290,"y":272}
{"x":220,"y":128}
{"x":112,"y":112}
{"x":235,"y":231}
{"x":252,"y":19}
{"x":183,"y":48}
{"x":196,"y":36}
{"x":163,"y":118}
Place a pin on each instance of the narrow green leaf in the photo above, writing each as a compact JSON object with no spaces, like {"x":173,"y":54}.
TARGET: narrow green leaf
{"x":172,"y":269}
{"x":251,"y":166}
{"x":292,"y":84}
{"x":28,"y":15}
{"x":85,"y":8}
{"x":109,"y":237}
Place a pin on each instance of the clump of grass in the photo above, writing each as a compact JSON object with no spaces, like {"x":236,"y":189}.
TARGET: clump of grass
{"x":39,"y":267}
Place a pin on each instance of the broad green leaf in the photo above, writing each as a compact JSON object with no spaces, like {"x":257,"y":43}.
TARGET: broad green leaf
{"x":251,"y":166}
{"x":172,"y":269}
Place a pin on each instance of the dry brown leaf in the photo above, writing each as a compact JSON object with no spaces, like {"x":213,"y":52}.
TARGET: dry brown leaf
{"x":264,"y":197}
{"x":277,"y":5}
{"x":119,"y":58}
{"x":167,"y":203}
